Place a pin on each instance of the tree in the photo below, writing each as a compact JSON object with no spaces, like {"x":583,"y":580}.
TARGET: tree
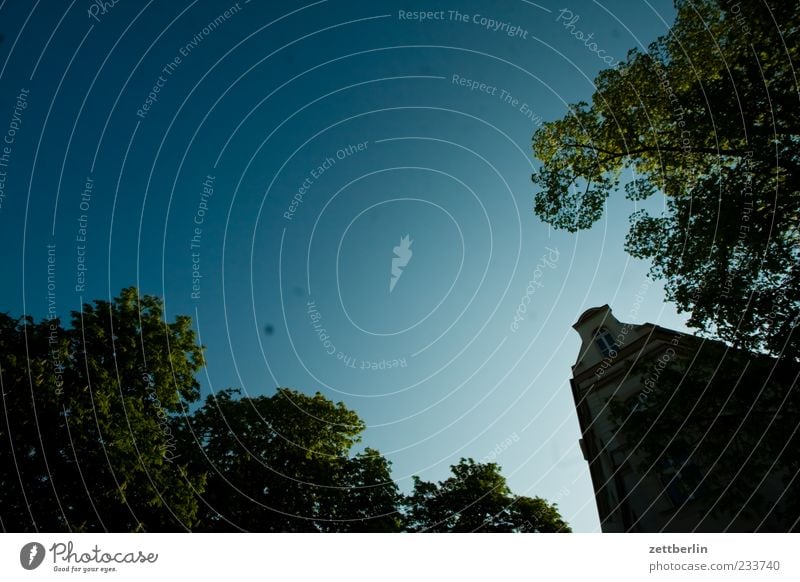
{"x":85,"y":419}
{"x":282,"y":463}
{"x":720,"y":429}
{"x":97,"y":433}
{"x":707,"y":119}
{"x":476,"y":498}
{"x":30,"y":424}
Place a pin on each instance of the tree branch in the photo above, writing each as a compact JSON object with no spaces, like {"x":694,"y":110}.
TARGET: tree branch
{"x":657,"y":149}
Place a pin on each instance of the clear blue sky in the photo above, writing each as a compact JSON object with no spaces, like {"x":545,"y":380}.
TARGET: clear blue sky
{"x":275,"y":98}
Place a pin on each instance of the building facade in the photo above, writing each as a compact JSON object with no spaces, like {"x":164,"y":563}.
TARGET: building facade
{"x":670,"y":450}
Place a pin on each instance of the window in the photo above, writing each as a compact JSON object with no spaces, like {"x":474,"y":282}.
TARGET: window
{"x":682,"y":480}
{"x":605,"y":341}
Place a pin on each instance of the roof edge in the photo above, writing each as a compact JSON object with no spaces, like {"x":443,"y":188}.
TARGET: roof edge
{"x":589,"y":313}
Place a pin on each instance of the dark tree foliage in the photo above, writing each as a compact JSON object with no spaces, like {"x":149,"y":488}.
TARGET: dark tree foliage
{"x":707,"y":118}
{"x":100,"y":430}
{"x":84,"y":424}
{"x":282,"y":463}
{"x":721,"y":429}
{"x":476,"y":498}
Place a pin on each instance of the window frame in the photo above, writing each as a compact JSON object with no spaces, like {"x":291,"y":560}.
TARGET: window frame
{"x":604,"y":340}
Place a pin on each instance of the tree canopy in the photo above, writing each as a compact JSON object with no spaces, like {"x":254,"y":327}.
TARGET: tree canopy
{"x":86,"y":437}
{"x":476,"y":498}
{"x":283,"y":463}
{"x":706,"y":119}
{"x":102,"y":429}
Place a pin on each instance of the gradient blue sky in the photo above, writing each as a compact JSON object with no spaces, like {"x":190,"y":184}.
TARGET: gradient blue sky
{"x":260,"y":103}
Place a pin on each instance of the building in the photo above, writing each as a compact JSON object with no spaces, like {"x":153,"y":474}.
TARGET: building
{"x":684,"y":434}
